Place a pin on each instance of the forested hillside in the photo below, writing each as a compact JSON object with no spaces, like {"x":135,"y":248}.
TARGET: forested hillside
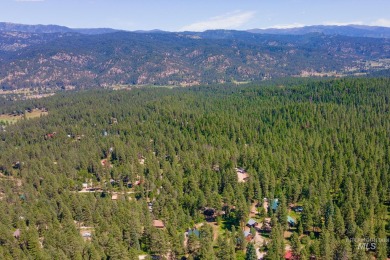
{"x":90,"y":179}
{"x":68,"y":60}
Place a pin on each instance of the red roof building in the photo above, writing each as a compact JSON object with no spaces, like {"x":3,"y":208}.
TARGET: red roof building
{"x":288,"y":255}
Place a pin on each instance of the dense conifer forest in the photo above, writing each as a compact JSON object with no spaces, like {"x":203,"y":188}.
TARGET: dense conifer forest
{"x":117,"y":174}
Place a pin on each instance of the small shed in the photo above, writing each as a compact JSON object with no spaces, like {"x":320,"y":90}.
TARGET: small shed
{"x":114,"y":197}
{"x":17,"y":233}
{"x":87,"y":234}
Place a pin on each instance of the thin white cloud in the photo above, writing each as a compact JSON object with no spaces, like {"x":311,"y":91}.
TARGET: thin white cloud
{"x":343,"y":23}
{"x":227,"y":21}
{"x":286,"y":26}
{"x":382,"y":22}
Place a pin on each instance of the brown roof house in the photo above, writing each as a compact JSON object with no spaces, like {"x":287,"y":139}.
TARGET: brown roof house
{"x":248,"y":236}
{"x":158,"y":223}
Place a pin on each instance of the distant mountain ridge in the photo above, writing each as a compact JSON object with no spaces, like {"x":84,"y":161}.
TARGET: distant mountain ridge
{"x":63,"y":60}
{"x":347,"y":30}
{"x":39,"y":28}
{"x":59,"y":57}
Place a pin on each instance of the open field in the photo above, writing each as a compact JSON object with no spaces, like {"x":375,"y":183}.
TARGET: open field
{"x":28,"y":93}
{"x":13,"y":118}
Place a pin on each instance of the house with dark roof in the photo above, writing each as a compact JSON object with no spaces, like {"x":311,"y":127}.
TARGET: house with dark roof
{"x":298,"y":209}
{"x":210,"y":214}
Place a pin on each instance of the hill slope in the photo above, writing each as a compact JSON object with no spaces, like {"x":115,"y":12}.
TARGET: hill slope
{"x":72,"y":59}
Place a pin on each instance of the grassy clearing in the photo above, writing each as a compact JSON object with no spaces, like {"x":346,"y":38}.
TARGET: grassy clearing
{"x":13,"y":118}
{"x":240,"y":82}
{"x":294,"y":215}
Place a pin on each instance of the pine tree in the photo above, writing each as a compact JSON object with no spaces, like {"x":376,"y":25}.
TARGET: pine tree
{"x":314,"y":248}
{"x":326,"y":246}
{"x":329,"y":212}
{"x":381,"y":246}
{"x":300,"y":228}
{"x":295,"y":244}
{"x":114,"y":250}
{"x":134,"y":240}
{"x":32,"y":242}
{"x":250,"y":252}
{"x":93,"y":254}
{"x":282,"y":213}
{"x":339,"y":226}
{"x":276,"y":246}
{"x":226,"y":249}
{"x":241,"y":241}
{"x":159,"y":242}
{"x":343,"y":250}
{"x":193,"y":245}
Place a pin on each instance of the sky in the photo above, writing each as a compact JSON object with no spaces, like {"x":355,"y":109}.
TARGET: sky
{"x":195,"y":15}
